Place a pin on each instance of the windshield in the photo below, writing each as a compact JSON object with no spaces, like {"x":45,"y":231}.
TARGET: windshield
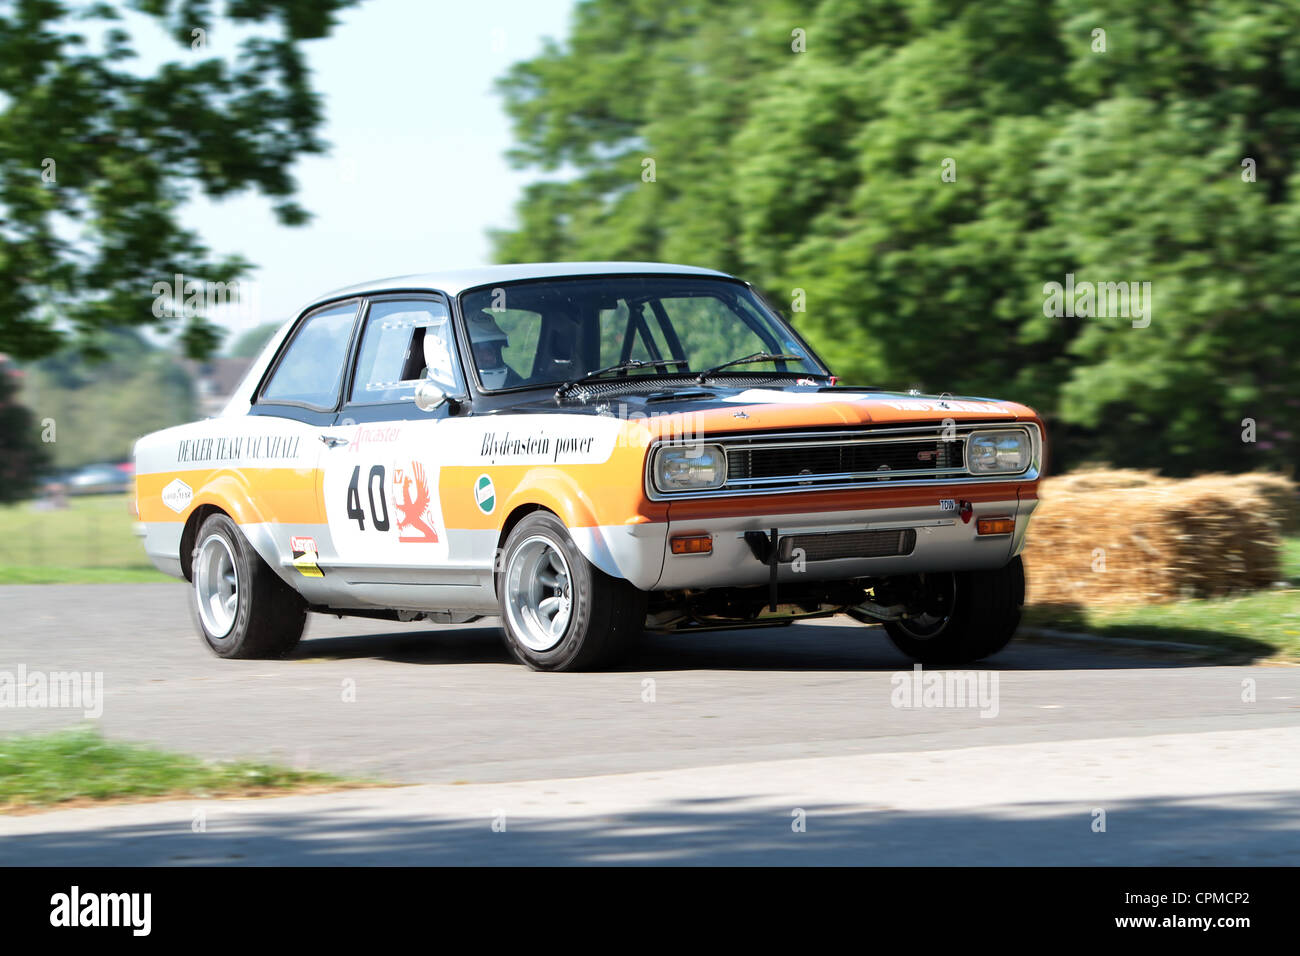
{"x":547,"y":333}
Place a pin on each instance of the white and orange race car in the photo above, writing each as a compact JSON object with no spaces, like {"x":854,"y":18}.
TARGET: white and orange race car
{"x":586,"y":450}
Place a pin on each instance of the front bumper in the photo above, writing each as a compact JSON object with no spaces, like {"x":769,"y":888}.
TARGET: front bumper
{"x":944,"y":541}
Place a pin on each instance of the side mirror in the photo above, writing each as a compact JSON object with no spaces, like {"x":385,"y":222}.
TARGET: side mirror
{"x":429,"y":396}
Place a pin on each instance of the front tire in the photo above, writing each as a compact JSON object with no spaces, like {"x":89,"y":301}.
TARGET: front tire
{"x":241,"y":607}
{"x":970,"y":615}
{"x":560,"y":612}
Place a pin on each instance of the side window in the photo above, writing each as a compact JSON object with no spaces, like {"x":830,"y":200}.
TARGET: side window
{"x":405,"y":341}
{"x":311,"y":368}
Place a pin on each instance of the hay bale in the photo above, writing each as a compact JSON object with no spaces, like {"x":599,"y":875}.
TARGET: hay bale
{"x":1134,"y":536}
{"x":1104,"y":479}
{"x":1281,"y":494}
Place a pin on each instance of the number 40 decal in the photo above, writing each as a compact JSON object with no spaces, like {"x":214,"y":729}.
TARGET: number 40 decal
{"x":354,"y":499}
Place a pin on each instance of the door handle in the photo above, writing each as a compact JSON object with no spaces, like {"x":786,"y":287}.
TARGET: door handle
{"x":333,"y":441}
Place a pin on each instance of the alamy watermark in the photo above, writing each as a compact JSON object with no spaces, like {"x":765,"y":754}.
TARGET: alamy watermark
{"x":943,"y":689}
{"x":182,"y":298}
{"x":1127,"y":300}
{"x":76,"y":908}
{"x":72,"y":690}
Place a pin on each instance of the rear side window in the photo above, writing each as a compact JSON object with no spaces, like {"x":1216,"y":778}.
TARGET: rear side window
{"x":311,"y":368}
{"x":405,"y":342}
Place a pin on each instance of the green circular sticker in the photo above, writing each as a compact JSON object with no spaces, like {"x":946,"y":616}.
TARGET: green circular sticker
{"x":485,"y":494}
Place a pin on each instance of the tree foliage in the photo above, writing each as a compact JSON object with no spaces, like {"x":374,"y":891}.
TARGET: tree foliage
{"x":97,"y":154}
{"x":823,"y":171}
{"x":23,"y":455}
{"x":100,"y":407}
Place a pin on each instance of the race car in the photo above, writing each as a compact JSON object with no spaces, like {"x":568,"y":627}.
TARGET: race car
{"x":586,"y":451}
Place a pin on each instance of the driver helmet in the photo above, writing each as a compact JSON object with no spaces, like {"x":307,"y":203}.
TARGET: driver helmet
{"x":487,"y":340}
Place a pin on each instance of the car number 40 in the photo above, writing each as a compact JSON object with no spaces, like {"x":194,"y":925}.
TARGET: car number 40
{"x":355,"y":511}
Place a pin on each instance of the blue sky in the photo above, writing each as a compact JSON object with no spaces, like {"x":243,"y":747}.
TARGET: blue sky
{"x":417,"y":173}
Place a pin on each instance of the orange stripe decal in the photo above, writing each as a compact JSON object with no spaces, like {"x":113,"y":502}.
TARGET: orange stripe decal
{"x":287,"y":495}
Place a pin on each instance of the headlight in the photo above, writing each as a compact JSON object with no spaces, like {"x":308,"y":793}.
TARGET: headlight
{"x":690,"y":467}
{"x":1001,"y":453}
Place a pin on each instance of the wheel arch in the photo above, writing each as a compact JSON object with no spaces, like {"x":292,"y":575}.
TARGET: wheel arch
{"x":625,"y":557}
{"x":517,"y":514}
{"x":190,"y":533}
{"x":226,"y":494}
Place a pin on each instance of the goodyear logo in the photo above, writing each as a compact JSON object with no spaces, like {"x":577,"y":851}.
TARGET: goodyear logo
{"x":485,"y":494}
{"x":177,"y":495}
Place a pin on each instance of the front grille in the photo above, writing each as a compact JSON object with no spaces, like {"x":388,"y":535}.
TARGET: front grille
{"x":761,"y":465}
{"x":832,"y":545}
{"x":770,"y":462}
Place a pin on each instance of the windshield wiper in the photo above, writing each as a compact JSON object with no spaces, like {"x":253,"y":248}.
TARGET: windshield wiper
{"x":756,"y":357}
{"x":627,"y":366}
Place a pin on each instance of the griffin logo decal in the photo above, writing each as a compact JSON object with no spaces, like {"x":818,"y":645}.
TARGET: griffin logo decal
{"x":413,"y":498}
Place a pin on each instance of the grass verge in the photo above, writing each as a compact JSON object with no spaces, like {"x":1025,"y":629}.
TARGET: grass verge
{"x":1263,"y":625}
{"x":1291,"y":560}
{"x":90,"y":541}
{"x":79,"y":766}
{"x":21,"y":574}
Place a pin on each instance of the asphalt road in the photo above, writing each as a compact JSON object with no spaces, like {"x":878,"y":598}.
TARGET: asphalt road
{"x":708,"y":735}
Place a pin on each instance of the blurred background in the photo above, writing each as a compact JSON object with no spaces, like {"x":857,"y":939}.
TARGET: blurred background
{"x":913,"y":183}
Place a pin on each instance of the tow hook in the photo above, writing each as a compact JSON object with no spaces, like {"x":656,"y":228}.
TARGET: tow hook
{"x":765,"y":548}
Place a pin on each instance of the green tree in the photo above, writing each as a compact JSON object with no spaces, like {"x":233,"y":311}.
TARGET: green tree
{"x":100,"y":407}
{"x":98,"y":154}
{"x":23,"y":456}
{"x":922,"y":170}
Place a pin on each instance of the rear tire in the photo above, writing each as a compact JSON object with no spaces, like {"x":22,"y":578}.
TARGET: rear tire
{"x":240,"y":606}
{"x":559,"y":611}
{"x":977,"y":621}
